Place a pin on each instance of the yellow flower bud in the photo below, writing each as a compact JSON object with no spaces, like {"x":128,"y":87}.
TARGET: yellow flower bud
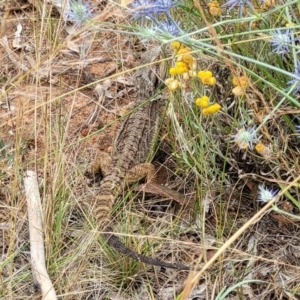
{"x":241,"y":81}
{"x":207,"y":77}
{"x":204,"y":74}
{"x":181,"y":67}
{"x":214,"y":8}
{"x":210,"y":81}
{"x":264,"y":151}
{"x":173,"y":71}
{"x":176,"y":45}
{"x":269,"y":3}
{"x":202,"y":102}
{"x":188,"y":58}
{"x":183,"y":51}
{"x":259,"y":147}
{"x":211,"y":109}
{"x":180,"y":64}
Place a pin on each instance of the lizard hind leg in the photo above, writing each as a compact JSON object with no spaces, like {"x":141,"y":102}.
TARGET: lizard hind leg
{"x":100,"y":164}
{"x":141,"y":171}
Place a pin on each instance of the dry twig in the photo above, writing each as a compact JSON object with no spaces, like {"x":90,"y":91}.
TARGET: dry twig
{"x":37,"y":250}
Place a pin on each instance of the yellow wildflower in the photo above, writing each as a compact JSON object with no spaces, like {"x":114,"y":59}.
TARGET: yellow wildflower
{"x":202,"y":102}
{"x":172,"y":71}
{"x":263,"y":150}
{"x":204,"y":74}
{"x":210,"y":81}
{"x":181,"y":67}
{"x":241,"y":81}
{"x":184,"y":55}
{"x":184,"y":51}
{"x":207,"y":77}
{"x":181,"y":70}
{"x":211,"y":109}
{"x":268,"y":4}
{"x":176,"y":45}
{"x":259,"y":147}
{"x":214,"y":8}
{"x":188,"y":58}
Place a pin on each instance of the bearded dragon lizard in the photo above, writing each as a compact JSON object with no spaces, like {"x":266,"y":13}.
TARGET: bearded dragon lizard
{"x":132,"y":146}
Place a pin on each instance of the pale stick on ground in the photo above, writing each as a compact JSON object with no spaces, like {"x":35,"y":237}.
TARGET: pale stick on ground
{"x":37,"y":250}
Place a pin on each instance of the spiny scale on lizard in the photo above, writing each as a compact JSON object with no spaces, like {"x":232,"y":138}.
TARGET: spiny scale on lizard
{"x":132,"y":147}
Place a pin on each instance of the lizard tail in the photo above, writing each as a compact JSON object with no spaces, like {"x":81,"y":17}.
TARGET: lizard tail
{"x":111,"y":186}
{"x":116,"y":243}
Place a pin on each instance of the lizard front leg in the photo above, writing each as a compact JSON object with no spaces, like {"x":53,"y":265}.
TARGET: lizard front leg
{"x":99,"y":165}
